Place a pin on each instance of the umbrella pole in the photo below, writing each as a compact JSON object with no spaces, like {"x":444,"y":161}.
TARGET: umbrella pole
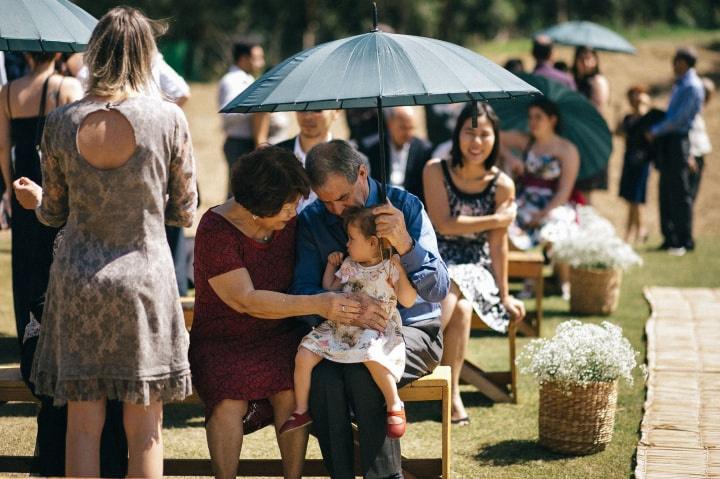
{"x":381,"y":145}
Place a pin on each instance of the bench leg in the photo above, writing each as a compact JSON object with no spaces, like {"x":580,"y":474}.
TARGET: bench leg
{"x":484,"y":383}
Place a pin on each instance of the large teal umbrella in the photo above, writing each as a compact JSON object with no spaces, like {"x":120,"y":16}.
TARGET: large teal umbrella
{"x":378,"y":69}
{"x":44,"y":25}
{"x":588,"y":34}
{"x":580,"y":122}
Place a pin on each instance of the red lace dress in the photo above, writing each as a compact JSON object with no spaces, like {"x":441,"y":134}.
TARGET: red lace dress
{"x":234,"y":355}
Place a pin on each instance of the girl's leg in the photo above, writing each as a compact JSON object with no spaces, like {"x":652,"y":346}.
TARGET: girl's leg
{"x":82,"y":441}
{"x":143,"y":427}
{"x":456,"y":315}
{"x":224,"y":432}
{"x":305,"y":361}
{"x":293,"y":444}
{"x":388,"y":386}
{"x":642,"y":233}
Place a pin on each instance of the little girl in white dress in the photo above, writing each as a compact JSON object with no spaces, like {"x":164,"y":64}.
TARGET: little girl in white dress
{"x":369,"y":269}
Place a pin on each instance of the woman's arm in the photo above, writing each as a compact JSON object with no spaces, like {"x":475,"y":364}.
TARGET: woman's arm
{"x":404,"y":290}
{"x":438,"y":208}
{"x":5,"y":143}
{"x":182,"y":184}
{"x":600,"y":95}
{"x":570,"y":165}
{"x":235,"y":288}
{"x":498,"y":245}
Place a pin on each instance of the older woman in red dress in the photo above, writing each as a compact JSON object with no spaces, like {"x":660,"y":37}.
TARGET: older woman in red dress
{"x":244,"y":338}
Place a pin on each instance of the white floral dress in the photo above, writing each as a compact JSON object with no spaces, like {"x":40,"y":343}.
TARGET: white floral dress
{"x":350,"y":344}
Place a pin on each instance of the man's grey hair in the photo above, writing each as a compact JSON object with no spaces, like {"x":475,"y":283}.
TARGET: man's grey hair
{"x":336,"y":157}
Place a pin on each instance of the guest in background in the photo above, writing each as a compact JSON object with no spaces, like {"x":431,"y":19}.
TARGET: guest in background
{"x":405,"y":153}
{"x":636,"y":162}
{"x":588,"y":79}
{"x":314,"y":130}
{"x":673,"y":143}
{"x":542,"y":52}
{"x":515,"y":65}
{"x":700,"y":145}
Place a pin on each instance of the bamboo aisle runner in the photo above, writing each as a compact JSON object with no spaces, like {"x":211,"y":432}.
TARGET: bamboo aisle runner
{"x":680,"y":431}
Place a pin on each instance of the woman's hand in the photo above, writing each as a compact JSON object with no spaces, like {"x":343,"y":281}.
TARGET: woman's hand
{"x":7,"y":203}
{"x":515,"y":165}
{"x":514,"y":307}
{"x":28,"y":193}
{"x":340,"y":307}
{"x":336,"y":258}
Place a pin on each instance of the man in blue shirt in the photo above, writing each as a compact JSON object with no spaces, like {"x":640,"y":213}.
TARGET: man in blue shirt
{"x":340,"y":177}
{"x":673,"y":145}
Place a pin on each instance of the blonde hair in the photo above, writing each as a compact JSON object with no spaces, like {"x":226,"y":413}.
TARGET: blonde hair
{"x":121,"y":52}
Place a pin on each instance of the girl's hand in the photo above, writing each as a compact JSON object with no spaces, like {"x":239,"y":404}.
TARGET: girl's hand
{"x":340,"y":308}
{"x":515,"y":308}
{"x":336,"y":258}
{"x":28,"y":193}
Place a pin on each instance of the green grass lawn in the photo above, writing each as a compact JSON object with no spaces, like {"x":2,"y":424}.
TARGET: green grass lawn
{"x":501,"y":441}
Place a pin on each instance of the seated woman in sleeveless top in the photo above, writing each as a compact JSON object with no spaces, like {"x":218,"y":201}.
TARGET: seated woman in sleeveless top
{"x":546,"y":177}
{"x":471,"y":204}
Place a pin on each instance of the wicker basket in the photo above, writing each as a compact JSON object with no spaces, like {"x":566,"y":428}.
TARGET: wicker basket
{"x":594,"y":291}
{"x":577,"y":419}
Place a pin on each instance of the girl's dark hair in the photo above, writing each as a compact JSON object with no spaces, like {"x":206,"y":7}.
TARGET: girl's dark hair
{"x":361,"y":217}
{"x":548,"y":107}
{"x":264,"y":180}
{"x":364,"y":219}
{"x":486,"y":111}
{"x":41,"y":57}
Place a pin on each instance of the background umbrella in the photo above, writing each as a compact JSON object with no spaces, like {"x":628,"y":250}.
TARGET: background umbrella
{"x":580,"y":122}
{"x":378,"y":69}
{"x":44,"y":25}
{"x":588,"y":34}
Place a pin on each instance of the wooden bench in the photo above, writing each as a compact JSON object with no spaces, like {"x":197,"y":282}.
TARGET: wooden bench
{"x":434,"y":387}
{"x":501,"y":386}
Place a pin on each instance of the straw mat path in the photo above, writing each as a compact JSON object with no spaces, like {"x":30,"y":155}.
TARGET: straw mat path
{"x":680,"y":431}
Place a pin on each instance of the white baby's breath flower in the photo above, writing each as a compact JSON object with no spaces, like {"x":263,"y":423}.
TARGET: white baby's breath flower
{"x":580,"y":354}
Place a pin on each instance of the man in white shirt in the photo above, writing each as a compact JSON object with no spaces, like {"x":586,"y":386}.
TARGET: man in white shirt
{"x":314,"y":129}
{"x":405,"y":154}
{"x":243,"y":131}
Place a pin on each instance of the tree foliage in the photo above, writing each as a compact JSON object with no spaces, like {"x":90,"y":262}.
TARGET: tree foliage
{"x":206,"y":29}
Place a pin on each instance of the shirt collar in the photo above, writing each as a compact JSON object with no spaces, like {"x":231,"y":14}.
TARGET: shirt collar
{"x":373,"y":194}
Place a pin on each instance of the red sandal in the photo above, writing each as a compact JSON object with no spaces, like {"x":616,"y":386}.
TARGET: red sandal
{"x":396,"y":431}
{"x":296,"y":421}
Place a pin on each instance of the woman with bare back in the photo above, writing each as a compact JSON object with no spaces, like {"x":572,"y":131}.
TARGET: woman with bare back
{"x":117,"y":166}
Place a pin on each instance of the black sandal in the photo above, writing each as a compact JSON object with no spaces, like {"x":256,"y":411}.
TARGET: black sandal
{"x":462,"y":421}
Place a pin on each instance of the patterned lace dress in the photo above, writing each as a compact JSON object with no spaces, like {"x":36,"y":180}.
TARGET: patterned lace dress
{"x":468,"y":256}
{"x":349,"y":344}
{"x":112,"y":324}
{"x":536,"y":190}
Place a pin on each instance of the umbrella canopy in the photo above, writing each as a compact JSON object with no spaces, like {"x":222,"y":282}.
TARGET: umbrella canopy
{"x":378,"y":69}
{"x":44,"y":25}
{"x":361,"y":71}
{"x":580,"y":122}
{"x":588,"y":34}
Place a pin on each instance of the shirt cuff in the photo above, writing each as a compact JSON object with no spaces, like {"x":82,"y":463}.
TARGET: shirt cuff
{"x":413,"y":260}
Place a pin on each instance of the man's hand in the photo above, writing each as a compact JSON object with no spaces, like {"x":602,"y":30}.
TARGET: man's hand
{"x":390,"y":224}
{"x":372,"y":315}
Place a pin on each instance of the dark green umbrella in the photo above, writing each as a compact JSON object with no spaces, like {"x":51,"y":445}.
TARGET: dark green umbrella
{"x":44,"y":25}
{"x":588,"y":34}
{"x":580,"y":122}
{"x":378,"y":69}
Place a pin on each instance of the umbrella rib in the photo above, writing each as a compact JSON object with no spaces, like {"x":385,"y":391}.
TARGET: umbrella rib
{"x":30,"y":17}
{"x":62,"y":24}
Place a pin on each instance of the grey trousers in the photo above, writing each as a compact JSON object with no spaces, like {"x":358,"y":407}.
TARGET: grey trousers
{"x":337,"y":389}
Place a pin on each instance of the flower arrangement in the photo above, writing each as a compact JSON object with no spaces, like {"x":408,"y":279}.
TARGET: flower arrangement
{"x":594,"y":245}
{"x":580,"y":354}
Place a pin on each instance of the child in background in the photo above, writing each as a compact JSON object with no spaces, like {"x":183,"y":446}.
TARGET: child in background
{"x":369,"y":268}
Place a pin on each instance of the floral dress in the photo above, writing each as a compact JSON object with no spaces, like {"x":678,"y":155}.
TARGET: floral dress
{"x":350,"y":344}
{"x":536,"y":190}
{"x":468,"y":256}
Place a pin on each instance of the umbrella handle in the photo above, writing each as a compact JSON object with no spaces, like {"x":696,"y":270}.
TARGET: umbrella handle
{"x":375,"y":17}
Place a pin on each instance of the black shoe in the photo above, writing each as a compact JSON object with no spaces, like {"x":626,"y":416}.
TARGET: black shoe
{"x":664,"y":246}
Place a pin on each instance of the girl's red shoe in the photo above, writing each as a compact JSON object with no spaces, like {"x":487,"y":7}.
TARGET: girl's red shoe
{"x":296,"y":421}
{"x":396,"y":431}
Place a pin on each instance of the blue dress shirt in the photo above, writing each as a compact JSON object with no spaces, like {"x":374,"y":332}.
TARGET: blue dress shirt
{"x":321,"y":232}
{"x":685,"y":103}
